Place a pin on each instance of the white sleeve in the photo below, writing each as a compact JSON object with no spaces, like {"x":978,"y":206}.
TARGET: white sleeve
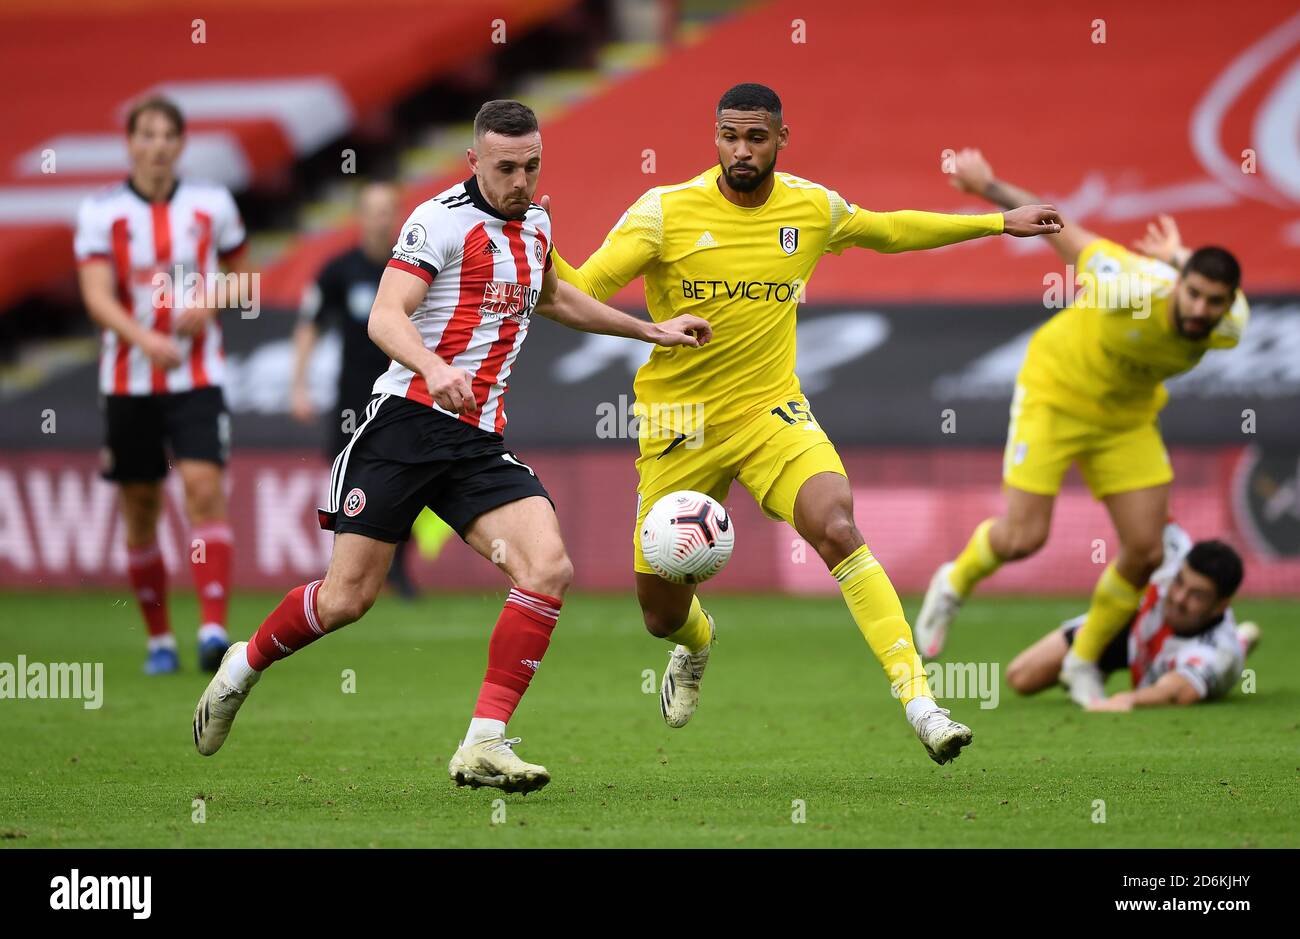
{"x":426,"y":244}
{"x":1211,"y":671}
{"x":92,"y":238}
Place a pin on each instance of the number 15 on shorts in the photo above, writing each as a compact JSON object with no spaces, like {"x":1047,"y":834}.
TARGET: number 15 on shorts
{"x":794,"y":412}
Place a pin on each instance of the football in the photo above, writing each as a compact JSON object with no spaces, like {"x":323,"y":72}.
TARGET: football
{"x":687,"y":537}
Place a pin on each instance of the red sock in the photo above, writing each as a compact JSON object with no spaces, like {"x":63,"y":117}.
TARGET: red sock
{"x":149,"y":581}
{"x":210,"y":562}
{"x":291,"y":625}
{"x":518,"y":643}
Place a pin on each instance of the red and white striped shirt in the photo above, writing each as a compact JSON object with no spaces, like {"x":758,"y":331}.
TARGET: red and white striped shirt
{"x":197,"y":227}
{"x":1211,"y":660}
{"x":484,"y":273}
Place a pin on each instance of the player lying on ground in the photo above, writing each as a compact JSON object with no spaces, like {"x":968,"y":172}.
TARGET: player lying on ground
{"x":1183,"y":644}
{"x":737,"y":244}
{"x":160,"y":366}
{"x":1089,"y":392}
{"x":469,"y":268}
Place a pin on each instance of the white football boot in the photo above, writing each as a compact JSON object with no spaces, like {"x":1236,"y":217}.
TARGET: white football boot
{"x":220,"y":702}
{"x":937,"y":613}
{"x":679,"y":691}
{"x":1083,"y":679}
{"x":493,"y":762}
{"x":942,"y":737}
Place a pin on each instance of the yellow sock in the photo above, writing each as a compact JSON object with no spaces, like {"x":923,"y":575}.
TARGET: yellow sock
{"x":879,"y":615}
{"x":1114,"y":601}
{"x":976,"y":560}
{"x":694,"y":633}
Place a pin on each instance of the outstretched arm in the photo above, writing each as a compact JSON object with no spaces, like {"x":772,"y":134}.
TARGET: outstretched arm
{"x":1171,"y":689}
{"x":565,"y":303}
{"x":973,"y":174}
{"x":908,"y":230}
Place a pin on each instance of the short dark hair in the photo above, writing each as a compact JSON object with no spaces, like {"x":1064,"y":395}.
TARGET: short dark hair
{"x":1216,"y":264}
{"x":164,"y":106}
{"x":1219,"y":562}
{"x":505,"y":117}
{"x":749,"y":96}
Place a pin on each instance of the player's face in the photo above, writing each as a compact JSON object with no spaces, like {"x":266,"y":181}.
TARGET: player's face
{"x":1192,"y":602}
{"x":377,"y":215}
{"x":507,"y":169}
{"x":1201,"y":303}
{"x":155,"y":145}
{"x":748,"y":142}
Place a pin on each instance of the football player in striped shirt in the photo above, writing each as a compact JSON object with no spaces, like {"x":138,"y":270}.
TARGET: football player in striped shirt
{"x":470,"y":268}
{"x":1090,"y":392}
{"x":160,"y":366}
{"x":737,"y":245}
{"x":1183,"y":645}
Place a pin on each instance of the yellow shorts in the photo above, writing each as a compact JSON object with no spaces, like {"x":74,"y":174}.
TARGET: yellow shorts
{"x":772,"y":453}
{"x":1043,"y":441}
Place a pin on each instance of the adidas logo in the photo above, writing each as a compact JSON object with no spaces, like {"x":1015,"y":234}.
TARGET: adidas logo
{"x":531,"y":663}
{"x":491,"y":248}
{"x":706,"y":241}
{"x":900,"y":644}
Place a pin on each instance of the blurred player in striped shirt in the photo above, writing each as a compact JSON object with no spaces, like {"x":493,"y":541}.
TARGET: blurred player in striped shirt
{"x":160,"y":367}
{"x":1183,"y":645}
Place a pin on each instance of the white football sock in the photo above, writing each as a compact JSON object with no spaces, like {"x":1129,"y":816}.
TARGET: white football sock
{"x":240,"y":674}
{"x":166,"y":641}
{"x":484,"y":728}
{"x":208,"y":630}
{"x":918,"y":707}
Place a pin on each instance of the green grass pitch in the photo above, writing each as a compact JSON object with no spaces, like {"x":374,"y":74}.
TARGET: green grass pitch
{"x":794,"y":708}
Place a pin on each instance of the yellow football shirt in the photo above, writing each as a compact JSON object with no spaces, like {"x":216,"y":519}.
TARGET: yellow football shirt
{"x":1105,"y":357}
{"x":744,"y":270}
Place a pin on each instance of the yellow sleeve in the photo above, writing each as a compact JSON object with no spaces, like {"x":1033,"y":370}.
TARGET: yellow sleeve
{"x":1113,"y":279}
{"x":630,"y":248}
{"x":891,"y":232}
{"x":1104,"y":256}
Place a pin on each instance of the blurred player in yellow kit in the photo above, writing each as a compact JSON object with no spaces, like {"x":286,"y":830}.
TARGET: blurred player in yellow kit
{"x":737,"y":245}
{"x":1089,"y":391}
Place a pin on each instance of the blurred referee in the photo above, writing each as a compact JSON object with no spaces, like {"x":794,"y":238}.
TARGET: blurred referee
{"x":341,"y":296}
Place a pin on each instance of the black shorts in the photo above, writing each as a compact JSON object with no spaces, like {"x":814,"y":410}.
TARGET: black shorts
{"x":143,"y":431}
{"x":1114,"y":657}
{"x":406,"y":455}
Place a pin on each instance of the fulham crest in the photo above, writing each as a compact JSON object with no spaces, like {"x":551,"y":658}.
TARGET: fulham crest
{"x":789,"y":239}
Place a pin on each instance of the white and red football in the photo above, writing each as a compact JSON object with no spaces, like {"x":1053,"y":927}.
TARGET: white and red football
{"x":687,"y":537}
